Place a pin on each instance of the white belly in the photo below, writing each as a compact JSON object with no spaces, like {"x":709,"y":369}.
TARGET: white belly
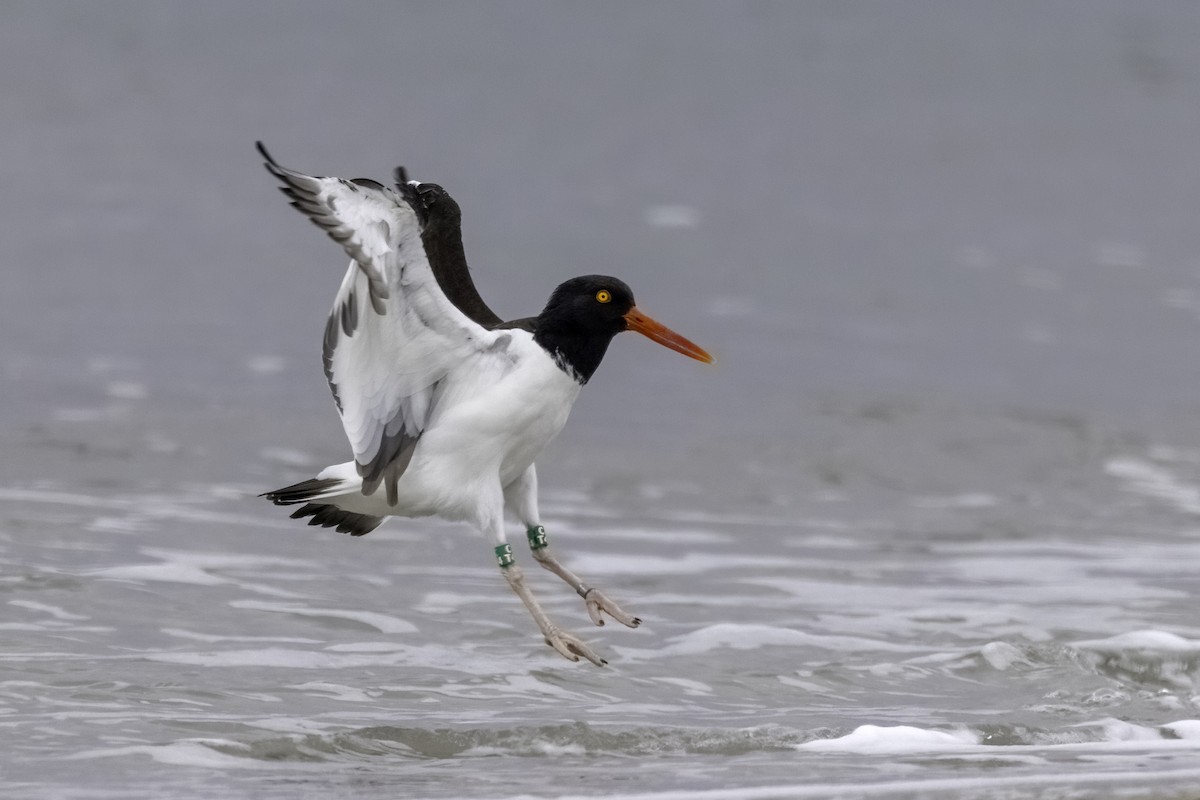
{"x":484,"y":432}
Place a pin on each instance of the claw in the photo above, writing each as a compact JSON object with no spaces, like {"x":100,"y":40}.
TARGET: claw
{"x":597,"y":602}
{"x":571,"y":647}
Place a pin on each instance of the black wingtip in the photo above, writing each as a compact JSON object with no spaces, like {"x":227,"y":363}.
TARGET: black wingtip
{"x":401,"y":175}
{"x":300,"y":492}
{"x":262,"y":151}
{"x":270,"y":163}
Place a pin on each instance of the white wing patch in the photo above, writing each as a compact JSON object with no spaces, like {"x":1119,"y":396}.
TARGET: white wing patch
{"x":392,"y":335}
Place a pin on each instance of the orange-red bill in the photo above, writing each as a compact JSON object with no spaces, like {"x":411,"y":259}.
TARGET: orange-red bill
{"x":637,"y":321}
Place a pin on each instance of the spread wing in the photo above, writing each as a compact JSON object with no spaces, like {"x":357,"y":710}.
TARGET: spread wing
{"x":392,"y":335}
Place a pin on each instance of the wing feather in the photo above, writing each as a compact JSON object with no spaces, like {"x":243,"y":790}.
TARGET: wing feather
{"x":392,"y":335}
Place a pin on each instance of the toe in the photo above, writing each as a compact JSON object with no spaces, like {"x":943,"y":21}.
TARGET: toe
{"x":587,"y":653}
{"x":562,"y":648}
{"x":577,"y":648}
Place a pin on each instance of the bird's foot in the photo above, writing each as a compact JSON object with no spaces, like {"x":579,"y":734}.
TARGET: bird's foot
{"x":571,"y":647}
{"x":597,"y":602}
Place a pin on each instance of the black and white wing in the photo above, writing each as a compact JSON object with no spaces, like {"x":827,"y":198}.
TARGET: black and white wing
{"x":392,"y":335}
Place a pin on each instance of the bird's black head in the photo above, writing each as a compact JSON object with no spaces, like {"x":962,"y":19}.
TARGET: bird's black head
{"x":590,"y":304}
{"x":585,"y":313}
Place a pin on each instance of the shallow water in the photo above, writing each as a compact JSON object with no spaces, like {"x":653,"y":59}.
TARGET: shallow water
{"x":185,"y":643}
{"x":929,"y":529}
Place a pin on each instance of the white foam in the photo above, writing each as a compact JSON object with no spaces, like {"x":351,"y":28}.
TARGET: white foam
{"x":997,"y":655}
{"x":1111,"y":735}
{"x":197,"y":568}
{"x":1151,"y":480}
{"x":687,"y":564}
{"x":364,"y":647}
{"x":554,"y":749}
{"x":57,"y":627}
{"x":336,"y":691}
{"x":294,"y":725}
{"x":170,"y":572}
{"x":383,"y":623}
{"x":1116,"y":730}
{"x":1002,"y":655}
{"x":674,"y":537}
{"x":127,"y":524}
{"x":1184,"y":728}
{"x":234,"y":560}
{"x":891,"y":740}
{"x":459,"y":658}
{"x":737,"y":636}
{"x":186,"y":753}
{"x":1142,"y":641}
{"x":690,"y":687}
{"x":449,"y":602}
{"x":270,"y":657}
{"x":208,"y":637}
{"x":63,"y":498}
{"x":53,"y":611}
{"x":532,"y":686}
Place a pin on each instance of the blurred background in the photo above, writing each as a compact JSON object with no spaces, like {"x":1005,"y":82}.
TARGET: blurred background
{"x":865,"y":209}
{"x":946,"y":253}
{"x":861,"y":207}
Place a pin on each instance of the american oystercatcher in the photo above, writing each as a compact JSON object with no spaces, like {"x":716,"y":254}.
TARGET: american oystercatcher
{"x":446,"y":406}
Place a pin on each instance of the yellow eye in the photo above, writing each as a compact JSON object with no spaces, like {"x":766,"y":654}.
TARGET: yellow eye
{"x":603,"y":296}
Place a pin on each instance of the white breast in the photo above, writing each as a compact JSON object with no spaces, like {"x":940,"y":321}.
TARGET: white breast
{"x":487,"y":427}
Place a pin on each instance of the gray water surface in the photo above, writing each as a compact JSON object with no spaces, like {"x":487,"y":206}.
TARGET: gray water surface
{"x":928,"y":529}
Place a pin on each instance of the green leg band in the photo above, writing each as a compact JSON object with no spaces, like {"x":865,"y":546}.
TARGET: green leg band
{"x":537,"y":537}
{"x":504,"y":555}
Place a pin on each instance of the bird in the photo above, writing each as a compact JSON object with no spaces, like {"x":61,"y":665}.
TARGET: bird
{"x":446,"y":406}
